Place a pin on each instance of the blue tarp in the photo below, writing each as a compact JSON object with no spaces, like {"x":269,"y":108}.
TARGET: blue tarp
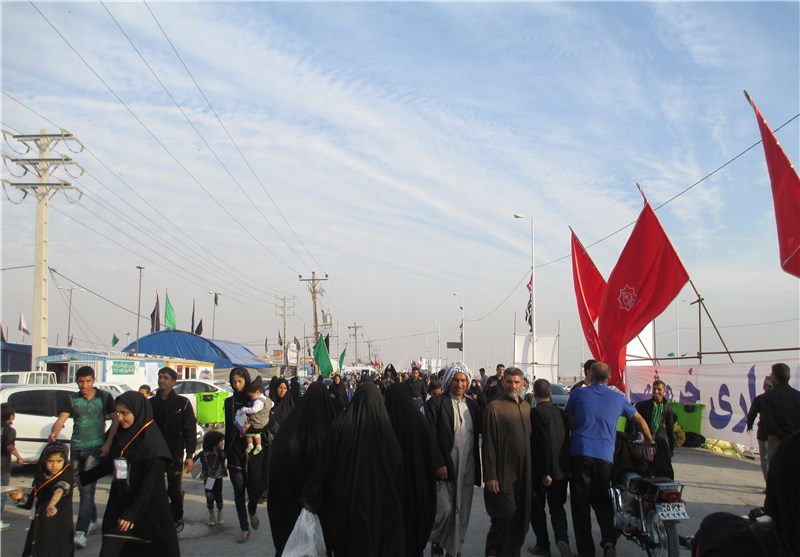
{"x":181,"y":344}
{"x":17,"y":357}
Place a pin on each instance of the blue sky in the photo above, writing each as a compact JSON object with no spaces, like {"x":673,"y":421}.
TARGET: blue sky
{"x":398,"y":139}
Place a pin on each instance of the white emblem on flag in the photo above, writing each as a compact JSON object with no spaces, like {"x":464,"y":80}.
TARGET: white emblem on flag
{"x":627,"y":298}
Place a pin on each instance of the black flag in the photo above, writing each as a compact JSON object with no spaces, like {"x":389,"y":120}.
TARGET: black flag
{"x":155,"y":317}
{"x":266,"y":348}
{"x":199,"y":329}
{"x":328,"y":343}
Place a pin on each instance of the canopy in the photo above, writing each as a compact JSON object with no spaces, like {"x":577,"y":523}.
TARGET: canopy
{"x":181,"y":344}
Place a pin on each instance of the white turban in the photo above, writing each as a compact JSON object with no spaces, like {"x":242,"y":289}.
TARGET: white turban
{"x":458,"y":367}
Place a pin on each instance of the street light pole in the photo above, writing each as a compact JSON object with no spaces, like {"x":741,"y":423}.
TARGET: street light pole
{"x":463,"y":327}
{"x":438,"y":343}
{"x":139,"y":307}
{"x":533,"y":299}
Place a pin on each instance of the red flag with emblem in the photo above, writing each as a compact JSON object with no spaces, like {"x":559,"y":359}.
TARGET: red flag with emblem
{"x":785,"y":196}
{"x":647,"y":277}
{"x":589,"y":288}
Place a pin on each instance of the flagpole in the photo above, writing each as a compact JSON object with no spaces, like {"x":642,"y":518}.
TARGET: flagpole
{"x":139,"y":307}
{"x":533,"y":297}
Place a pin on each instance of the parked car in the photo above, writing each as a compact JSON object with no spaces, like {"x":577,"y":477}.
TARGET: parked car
{"x":560,"y":396}
{"x":37,"y":407}
{"x":115,"y":389}
{"x":28,"y":377}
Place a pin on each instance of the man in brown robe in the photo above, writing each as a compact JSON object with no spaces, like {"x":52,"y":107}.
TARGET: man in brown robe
{"x":507,"y":468}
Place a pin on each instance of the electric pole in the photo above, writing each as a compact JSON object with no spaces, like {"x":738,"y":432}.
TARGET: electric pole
{"x":315,"y":289}
{"x":285,"y":312}
{"x":355,"y":328}
{"x":42,"y":165}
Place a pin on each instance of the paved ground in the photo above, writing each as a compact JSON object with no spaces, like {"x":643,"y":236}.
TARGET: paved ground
{"x":713,"y":482}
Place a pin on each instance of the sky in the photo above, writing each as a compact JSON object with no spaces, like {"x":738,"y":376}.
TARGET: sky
{"x":235,"y":147}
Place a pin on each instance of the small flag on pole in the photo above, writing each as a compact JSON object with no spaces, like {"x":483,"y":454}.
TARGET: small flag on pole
{"x":341,"y":357}
{"x":199,"y":329}
{"x":322,"y":357}
{"x":169,"y":315}
{"x":216,"y":298}
{"x":280,"y":339}
{"x":192,"y":329}
{"x":22,"y":326}
{"x":114,"y":339}
{"x":155,"y":317}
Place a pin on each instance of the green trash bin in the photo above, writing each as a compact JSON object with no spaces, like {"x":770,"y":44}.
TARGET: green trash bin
{"x":688,"y":414}
{"x":210,"y":407}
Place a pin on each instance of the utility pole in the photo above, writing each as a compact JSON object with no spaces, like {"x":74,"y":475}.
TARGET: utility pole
{"x":355,"y":328}
{"x":42,"y":165}
{"x":69,"y":311}
{"x":315,"y":289}
{"x":285,"y":312}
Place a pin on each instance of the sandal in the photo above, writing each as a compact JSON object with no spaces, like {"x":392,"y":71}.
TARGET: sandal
{"x":244,"y":536}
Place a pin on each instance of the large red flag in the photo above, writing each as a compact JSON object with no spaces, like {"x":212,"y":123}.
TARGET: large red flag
{"x":785,"y":195}
{"x":589,"y":288}
{"x":647,"y":277}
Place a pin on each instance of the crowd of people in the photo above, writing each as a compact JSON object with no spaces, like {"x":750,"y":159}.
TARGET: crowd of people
{"x":400,"y":452}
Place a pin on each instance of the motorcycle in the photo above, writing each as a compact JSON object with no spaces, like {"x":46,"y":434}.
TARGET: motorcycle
{"x":647,"y":511}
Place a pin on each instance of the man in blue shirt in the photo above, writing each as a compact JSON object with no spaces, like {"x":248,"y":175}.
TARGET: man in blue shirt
{"x":593,"y":413}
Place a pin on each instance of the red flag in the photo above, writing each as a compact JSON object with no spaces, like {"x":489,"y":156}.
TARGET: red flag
{"x":785,"y":195}
{"x":647,"y":277}
{"x":589,"y":288}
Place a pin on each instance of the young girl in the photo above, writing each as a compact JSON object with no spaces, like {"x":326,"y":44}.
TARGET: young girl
{"x":50,"y":534}
{"x":212,"y":460}
{"x":8,"y":449}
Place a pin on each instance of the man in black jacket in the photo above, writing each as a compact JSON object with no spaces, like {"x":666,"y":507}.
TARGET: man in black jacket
{"x":417,"y":386}
{"x":780,"y":414}
{"x":659,"y":416}
{"x":174,"y":416}
{"x":456,"y":422}
{"x":550,"y":453}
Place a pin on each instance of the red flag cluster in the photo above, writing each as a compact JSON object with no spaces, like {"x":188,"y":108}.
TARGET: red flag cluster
{"x":647,"y":277}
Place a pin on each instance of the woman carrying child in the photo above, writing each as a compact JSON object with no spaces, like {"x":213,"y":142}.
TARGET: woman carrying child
{"x":50,"y":533}
{"x":137,"y":514}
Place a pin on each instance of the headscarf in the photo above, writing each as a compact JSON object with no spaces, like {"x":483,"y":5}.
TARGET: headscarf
{"x":294,"y":451}
{"x":418,"y":445}
{"x":240,"y":397}
{"x":41,"y":474}
{"x":357,"y":479}
{"x":283,"y":406}
{"x":140,"y":441}
{"x":272,"y":384}
{"x":458,"y":367}
{"x":294,"y":389}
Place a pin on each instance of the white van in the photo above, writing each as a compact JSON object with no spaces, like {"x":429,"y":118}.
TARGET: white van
{"x":29,"y":377}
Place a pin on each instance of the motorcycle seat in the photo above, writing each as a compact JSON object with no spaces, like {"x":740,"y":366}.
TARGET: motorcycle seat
{"x":643,"y":485}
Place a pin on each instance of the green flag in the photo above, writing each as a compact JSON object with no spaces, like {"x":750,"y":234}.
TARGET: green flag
{"x":114,"y":339}
{"x":169,"y":315}
{"x":322,"y":357}
{"x":341,"y":358}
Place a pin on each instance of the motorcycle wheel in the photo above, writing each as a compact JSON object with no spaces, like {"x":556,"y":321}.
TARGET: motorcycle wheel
{"x":663,"y":534}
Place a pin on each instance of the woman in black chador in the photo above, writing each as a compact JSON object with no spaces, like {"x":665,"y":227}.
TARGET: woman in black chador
{"x":292,"y":456}
{"x":358,"y":480}
{"x":283,"y":405}
{"x":138,"y":518}
{"x":338,"y":393}
{"x":419,"y":451}
{"x":248,"y":473}
{"x":50,"y":533}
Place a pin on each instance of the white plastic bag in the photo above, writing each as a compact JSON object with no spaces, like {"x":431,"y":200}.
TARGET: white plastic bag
{"x":306,"y":539}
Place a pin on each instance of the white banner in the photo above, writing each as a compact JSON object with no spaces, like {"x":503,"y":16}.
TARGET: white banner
{"x":546,"y":356}
{"x":725,"y":390}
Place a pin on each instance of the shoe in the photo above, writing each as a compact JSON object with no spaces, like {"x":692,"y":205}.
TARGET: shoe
{"x":257,"y":450}
{"x":93,"y":527}
{"x":248,"y":449}
{"x":220,"y":520}
{"x":254,"y":522}
{"x":563,"y":547}
{"x":80,"y":540}
{"x":609,"y":550}
{"x":212,"y":518}
{"x":4,"y":526}
{"x":243,"y":537}
{"x":536,"y":550}
{"x":179,"y":526}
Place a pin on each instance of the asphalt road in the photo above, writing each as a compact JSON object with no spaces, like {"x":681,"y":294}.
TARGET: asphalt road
{"x":714,"y":482}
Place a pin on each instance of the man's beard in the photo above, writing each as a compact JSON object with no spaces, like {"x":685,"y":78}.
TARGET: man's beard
{"x":510,"y":395}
